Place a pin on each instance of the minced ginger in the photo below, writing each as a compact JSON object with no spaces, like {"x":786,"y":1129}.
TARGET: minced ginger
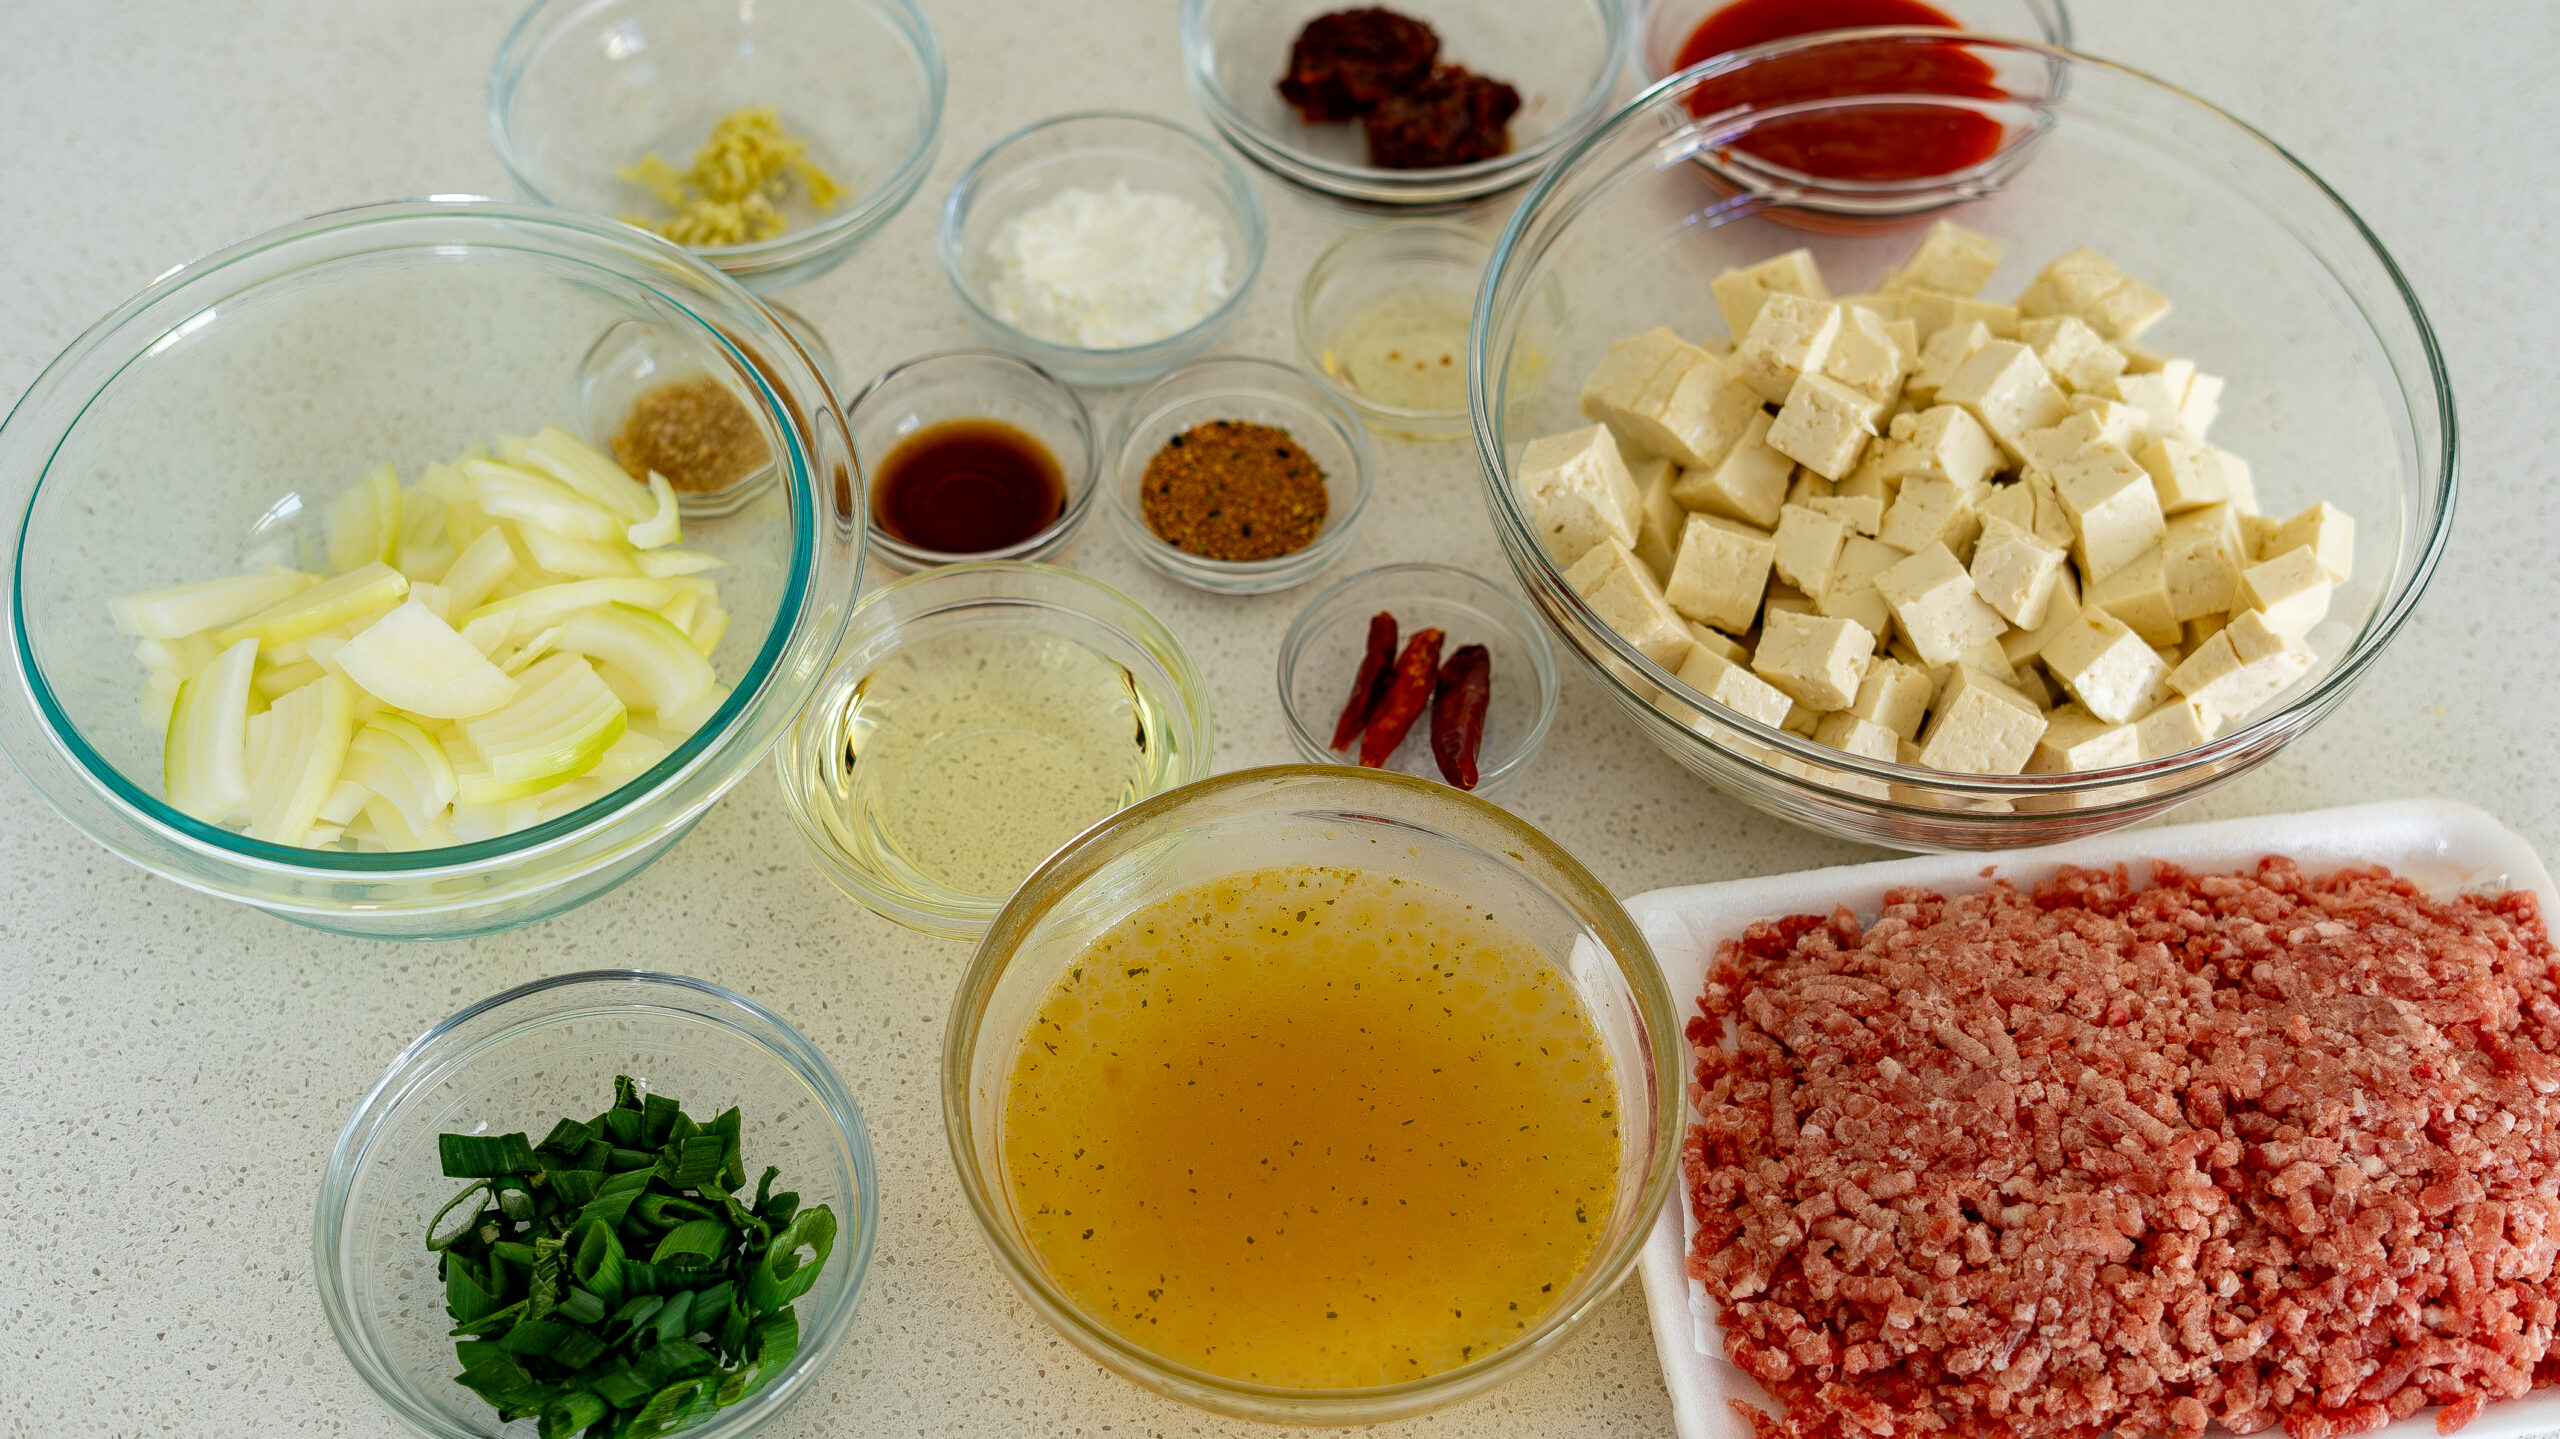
{"x":739,"y":178}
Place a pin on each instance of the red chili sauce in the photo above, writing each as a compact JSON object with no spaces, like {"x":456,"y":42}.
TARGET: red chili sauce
{"x":1878,"y":144}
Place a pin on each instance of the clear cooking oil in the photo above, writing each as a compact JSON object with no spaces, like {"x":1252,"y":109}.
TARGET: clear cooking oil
{"x":964,"y":759}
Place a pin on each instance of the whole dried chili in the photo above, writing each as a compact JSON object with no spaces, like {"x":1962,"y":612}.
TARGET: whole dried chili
{"x":1417,"y":675}
{"x":1457,"y":713}
{"x":1371,"y":686}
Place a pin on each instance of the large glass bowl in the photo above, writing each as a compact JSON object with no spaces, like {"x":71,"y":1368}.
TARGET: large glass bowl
{"x":519,"y":1061}
{"x":2337,"y":390}
{"x":583,"y":88}
{"x":198,"y":430}
{"x":1316,"y":815}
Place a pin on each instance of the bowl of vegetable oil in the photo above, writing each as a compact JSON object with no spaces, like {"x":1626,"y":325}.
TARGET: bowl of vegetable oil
{"x":981,"y":716}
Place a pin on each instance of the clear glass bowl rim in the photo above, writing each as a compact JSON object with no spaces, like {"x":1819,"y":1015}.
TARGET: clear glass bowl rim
{"x":794,"y":1051}
{"x":2378,"y":631}
{"x":1079,"y":500}
{"x":1331,"y":264}
{"x":1050,"y":883}
{"x":516,"y":54}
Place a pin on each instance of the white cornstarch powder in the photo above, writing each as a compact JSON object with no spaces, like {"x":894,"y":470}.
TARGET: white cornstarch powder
{"x":1104,"y":270}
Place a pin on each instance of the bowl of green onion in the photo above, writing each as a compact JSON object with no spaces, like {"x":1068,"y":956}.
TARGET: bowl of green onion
{"x":607,"y":1204}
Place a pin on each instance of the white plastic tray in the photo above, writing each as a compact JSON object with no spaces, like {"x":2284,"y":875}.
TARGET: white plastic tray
{"x":2440,"y":845}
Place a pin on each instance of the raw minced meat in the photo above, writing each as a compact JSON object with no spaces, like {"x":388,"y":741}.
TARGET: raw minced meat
{"x":2254,"y":1149}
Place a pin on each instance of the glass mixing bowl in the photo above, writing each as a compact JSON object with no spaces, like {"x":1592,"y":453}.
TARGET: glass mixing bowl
{"x":1316,"y":815}
{"x":2337,"y":390}
{"x":519,"y":1061}
{"x":199,"y":429}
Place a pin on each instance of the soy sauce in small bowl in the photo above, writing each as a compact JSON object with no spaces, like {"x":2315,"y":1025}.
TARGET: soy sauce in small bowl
{"x":967,"y":487}
{"x":972,"y":455}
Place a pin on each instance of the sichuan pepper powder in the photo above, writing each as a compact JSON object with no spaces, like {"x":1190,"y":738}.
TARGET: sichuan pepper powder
{"x":1231,"y":490}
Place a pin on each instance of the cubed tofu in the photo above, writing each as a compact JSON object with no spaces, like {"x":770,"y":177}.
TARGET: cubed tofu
{"x":1808,"y":487}
{"x":1622,"y":592}
{"x":2241,"y":490}
{"x":1801,"y":719}
{"x":1720,"y":572}
{"x":1852,"y":593}
{"x":1981,"y":726}
{"x":2200,"y":629}
{"x":2015,"y":572}
{"x":2158,"y":394}
{"x":2240,"y":667}
{"x":1868,"y":482}
{"x":2201,"y":407}
{"x":1659,"y":517}
{"x":2105,"y":665}
{"x":1942,"y":353}
{"x":2088,"y":284}
{"x":2061,"y":608}
{"x":1624,"y":372}
{"x":2186,"y":476}
{"x":1943,"y":441}
{"x":1729,"y":683}
{"x":1886,"y":303}
{"x":2075,"y":741}
{"x":1929,"y":512}
{"x":1936,"y":608}
{"x":2201,"y":561}
{"x":1693,"y":410}
{"x":1748,"y":484}
{"x":2053,"y":521}
{"x":1815,"y":659}
{"x":1739,"y":293}
{"x":2173,"y":728}
{"x":1857,"y":514}
{"x":1849,"y":733}
{"x":1895,"y":695}
{"x":1787,"y":598}
{"x":2007,"y":389}
{"x":1790,"y":339}
{"x":2325,"y":530}
{"x":1579,"y":492}
{"x":1807,"y":545}
{"x":1951,"y":260}
{"x":1933,"y":310}
{"x":2119,"y":424}
{"x":1720,"y":642}
{"x":2014,"y":502}
{"x":1824,"y":426}
{"x":1865,"y":356}
{"x":2258,"y":532}
{"x":2137,"y":592}
{"x":2057,"y":444}
{"x":2073,"y":353}
{"x":2291,"y":590}
{"x":2115,"y":513}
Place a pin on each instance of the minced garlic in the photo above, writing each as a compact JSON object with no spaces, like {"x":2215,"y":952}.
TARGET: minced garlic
{"x":734,"y":190}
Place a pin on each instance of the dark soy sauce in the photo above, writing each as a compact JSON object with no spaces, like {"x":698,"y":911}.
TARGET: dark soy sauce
{"x":965,"y":487}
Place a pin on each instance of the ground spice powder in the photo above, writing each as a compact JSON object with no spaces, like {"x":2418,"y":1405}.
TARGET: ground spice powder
{"x":1231,"y":490}
{"x":695,"y":433}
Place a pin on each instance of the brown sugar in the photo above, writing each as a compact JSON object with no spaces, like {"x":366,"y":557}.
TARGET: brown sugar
{"x":695,"y":433}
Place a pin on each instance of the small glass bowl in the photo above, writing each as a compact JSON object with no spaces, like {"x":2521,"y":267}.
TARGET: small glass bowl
{"x":993,"y":599}
{"x":975,"y":385}
{"x":1435,"y":264}
{"x":583,"y":88}
{"x":635,"y":356}
{"x":1664,"y":26}
{"x":1094,"y":149}
{"x":1316,"y":815}
{"x":523,"y":1059}
{"x":1321,"y":654}
{"x":1263,"y":392}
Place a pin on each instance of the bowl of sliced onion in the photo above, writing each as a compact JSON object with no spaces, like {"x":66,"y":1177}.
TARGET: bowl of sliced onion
{"x":319,"y":599}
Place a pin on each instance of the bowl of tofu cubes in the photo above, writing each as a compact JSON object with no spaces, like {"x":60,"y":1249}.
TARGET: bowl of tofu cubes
{"x":2016,"y":512}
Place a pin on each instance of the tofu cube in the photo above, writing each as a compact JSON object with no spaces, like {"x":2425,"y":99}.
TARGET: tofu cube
{"x":2138,"y":594}
{"x":1740,"y":293}
{"x":1852,"y":735}
{"x":2201,"y":407}
{"x":2053,"y":521}
{"x":1728,"y":683}
{"x":1625,"y":371}
{"x":1801,"y":719}
{"x":1981,"y":727}
{"x":1789,"y":339}
{"x":2237,"y":484}
{"x":1824,"y":426}
{"x":1857,"y":514}
{"x":1693,"y":410}
{"x":2007,"y":389}
{"x":1816,"y":660}
{"x":1658,"y":516}
{"x":1749,"y":483}
{"x":2325,"y":530}
{"x":1720,"y":572}
{"x":1942,"y":353}
{"x":2186,"y":476}
{"x":2075,"y":354}
{"x":1867,"y":482}
{"x":2173,"y":728}
{"x":1933,"y":310}
{"x":2061,"y":608}
{"x":2201,"y":561}
{"x":2105,"y":665}
{"x":2158,"y":394}
{"x":2058,"y":444}
{"x":1579,"y":492}
{"x":1930,"y":512}
{"x":2200,"y":629}
{"x":1865,"y":356}
{"x":1894,"y":695}
{"x":2119,"y":424}
{"x":1808,"y":487}
{"x":2291,"y":591}
{"x":2014,"y":502}
{"x":1622,"y":593}
{"x":1720,"y":642}
{"x":1951,"y":260}
{"x":1936,"y":608}
{"x":2015,"y":572}
{"x":2240,"y":667}
{"x":1942,"y":441}
{"x":1807,"y":546}
{"x":2076,"y":741}
{"x":1852,"y":593}
{"x":2088,"y":284}
{"x":2115,"y":513}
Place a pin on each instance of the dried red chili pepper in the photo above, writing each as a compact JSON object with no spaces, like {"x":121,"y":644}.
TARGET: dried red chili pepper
{"x":1371,"y":686}
{"x":1417,"y":675}
{"x":1457,"y":713}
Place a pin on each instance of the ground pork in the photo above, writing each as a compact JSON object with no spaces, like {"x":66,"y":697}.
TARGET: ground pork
{"x":2259,"y":1149}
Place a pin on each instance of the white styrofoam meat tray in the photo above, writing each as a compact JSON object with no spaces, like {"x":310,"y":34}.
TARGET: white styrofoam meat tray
{"x":2440,"y":845}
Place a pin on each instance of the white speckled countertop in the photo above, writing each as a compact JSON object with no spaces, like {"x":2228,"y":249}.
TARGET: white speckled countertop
{"x":173,"y":1068}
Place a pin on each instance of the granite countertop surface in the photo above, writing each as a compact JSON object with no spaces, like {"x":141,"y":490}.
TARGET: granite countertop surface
{"x":176,"y":1067}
